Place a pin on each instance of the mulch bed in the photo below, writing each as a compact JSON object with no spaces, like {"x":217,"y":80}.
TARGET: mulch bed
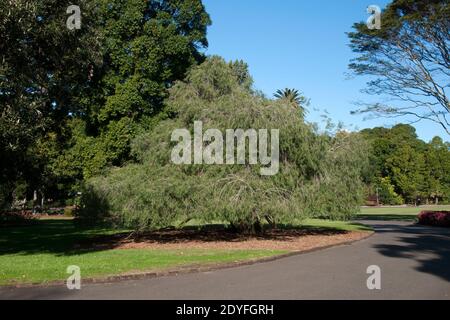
{"x":277,"y":239}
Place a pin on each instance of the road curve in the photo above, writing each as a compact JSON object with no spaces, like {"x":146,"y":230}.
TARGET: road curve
{"x":414,"y":262}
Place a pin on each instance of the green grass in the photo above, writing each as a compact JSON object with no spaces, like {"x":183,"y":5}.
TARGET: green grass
{"x":42,"y":252}
{"x":335,"y":225}
{"x":44,"y":267}
{"x":400,"y":213}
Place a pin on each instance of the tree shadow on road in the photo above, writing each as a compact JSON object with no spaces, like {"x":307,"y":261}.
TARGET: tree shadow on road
{"x":428,"y":246}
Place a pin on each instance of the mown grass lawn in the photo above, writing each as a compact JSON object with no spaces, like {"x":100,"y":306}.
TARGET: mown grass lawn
{"x":397,"y":213}
{"x":337,"y":225}
{"x":42,"y":252}
{"x":44,"y":267}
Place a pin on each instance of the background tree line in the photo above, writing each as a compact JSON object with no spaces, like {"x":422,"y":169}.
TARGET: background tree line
{"x":404,"y":169}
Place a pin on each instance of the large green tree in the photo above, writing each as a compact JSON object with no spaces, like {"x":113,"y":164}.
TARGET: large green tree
{"x":406,"y":167}
{"x":44,"y":71}
{"x":148,"y":45}
{"x":437,"y":178}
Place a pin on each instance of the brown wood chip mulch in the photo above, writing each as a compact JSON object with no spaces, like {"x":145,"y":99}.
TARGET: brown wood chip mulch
{"x":290,"y":240}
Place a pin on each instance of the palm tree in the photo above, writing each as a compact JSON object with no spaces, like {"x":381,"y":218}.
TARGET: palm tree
{"x":293,"y":96}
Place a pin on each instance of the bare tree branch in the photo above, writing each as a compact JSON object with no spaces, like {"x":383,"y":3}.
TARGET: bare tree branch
{"x":409,"y":60}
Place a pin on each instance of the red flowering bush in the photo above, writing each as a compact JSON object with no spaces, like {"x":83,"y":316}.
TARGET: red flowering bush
{"x":435,"y":218}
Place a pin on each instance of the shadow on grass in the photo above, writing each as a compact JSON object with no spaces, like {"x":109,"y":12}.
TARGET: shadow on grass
{"x":45,"y":236}
{"x":65,"y":237}
{"x":428,"y":246}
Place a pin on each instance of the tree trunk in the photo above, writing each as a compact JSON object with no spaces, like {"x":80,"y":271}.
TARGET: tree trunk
{"x":257,"y":228}
{"x":247,"y":228}
{"x":34,"y":201}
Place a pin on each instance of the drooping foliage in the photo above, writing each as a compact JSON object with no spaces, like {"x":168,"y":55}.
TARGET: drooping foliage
{"x":318,"y":175}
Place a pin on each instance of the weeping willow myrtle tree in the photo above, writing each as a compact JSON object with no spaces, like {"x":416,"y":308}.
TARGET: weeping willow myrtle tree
{"x":319,"y":175}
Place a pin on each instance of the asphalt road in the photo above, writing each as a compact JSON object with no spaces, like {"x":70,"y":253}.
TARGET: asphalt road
{"x":414,"y":262}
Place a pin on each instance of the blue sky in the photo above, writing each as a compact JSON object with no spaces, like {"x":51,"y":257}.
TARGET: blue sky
{"x":299,"y":44}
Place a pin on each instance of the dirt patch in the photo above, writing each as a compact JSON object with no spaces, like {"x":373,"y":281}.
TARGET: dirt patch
{"x":290,"y":240}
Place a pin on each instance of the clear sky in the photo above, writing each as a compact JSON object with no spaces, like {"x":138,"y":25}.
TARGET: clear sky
{"x":299,"y":44}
